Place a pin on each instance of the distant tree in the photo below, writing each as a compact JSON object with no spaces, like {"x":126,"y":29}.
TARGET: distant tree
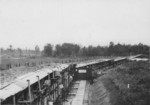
{"x":111,"y":48}
{"x":10,"y":47}
{"x":1,"y":50}
{"x":37,"y":50}
{"x":70,"y":49}
{"x":58,"y":50}
{"x":11,"y":50}
{"x":67,"y":49}
{"x":83,"y":51}
{"x":48,"y":50}
{"x":20,"y":51}
{"x":111,"y":44}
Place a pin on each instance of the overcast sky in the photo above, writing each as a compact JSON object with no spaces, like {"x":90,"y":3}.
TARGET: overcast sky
{"x":25,"y":23}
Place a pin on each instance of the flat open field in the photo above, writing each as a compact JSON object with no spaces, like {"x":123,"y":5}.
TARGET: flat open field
{"x":15,"y":62}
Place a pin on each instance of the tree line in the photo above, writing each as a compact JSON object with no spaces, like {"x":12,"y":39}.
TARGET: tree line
{"x":10,"y":51}
{"x":73,"y":50}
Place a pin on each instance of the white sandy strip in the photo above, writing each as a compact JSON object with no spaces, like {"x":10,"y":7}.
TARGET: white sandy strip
{"x":78,"y":100}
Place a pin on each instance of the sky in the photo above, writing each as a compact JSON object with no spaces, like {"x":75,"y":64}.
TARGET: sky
{"x":27,"y":23}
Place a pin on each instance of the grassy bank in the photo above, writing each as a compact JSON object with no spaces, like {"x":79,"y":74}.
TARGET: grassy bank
{"x":132,"y":80}
{"x":104,"y":92}
{"x":127,"y":84}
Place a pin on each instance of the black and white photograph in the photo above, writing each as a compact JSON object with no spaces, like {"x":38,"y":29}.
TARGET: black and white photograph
{"x":74,"y":52}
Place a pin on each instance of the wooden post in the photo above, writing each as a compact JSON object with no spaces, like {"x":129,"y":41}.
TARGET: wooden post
{"x":29,"y":90}
{"x":48,"y":76}
{"x":57,"y":88}
{"x":53,"y":86}
{"x":68,"y":78}
{"x":39,"y":83}
{"x":14,"y":100}
{"x":39,"y":88}
{"x":53,"y":74}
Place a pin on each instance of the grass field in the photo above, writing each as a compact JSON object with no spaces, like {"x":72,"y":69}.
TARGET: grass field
{"x":14,"y":62}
